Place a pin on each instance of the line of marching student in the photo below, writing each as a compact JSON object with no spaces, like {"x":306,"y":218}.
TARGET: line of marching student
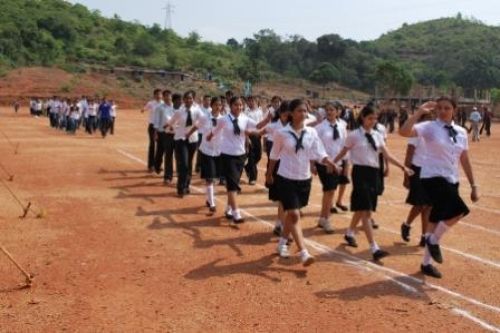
{"x":300,"y":141}
{"x":72,"y":114}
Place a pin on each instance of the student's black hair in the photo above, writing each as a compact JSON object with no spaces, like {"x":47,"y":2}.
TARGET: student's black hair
{"x":295,"y":104}
{"x":176,"y":97}
{"x":166,"y":92}
{"x":215,"y":100}
{"x":449,"y":99}
{"x":207,"y":96}
{"x":189,"y":93}
{"x":156,"y":91}
{"x":230,"y":93}
{"x":274,"y":98}
{"x":368,"y":110}
{"x":284,"y":107}
{"x":233,"y":100}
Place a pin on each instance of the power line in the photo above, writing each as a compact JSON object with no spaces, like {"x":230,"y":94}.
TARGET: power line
{"x":169,"y":10}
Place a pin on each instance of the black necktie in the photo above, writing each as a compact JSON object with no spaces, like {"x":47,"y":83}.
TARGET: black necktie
{"x":189,"y":120}
{"x":371,"y":141}
{"x":335,"y":132}
{"x":214,"y":122}
{"x":237,"y":130}
{"x":451,"y":132}
{"x":298,"y":140}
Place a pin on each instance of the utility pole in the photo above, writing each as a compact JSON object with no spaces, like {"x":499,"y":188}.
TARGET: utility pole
{"x":169,"y":10}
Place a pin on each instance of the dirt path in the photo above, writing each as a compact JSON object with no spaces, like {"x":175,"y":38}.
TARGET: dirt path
{"x":117,"y":251}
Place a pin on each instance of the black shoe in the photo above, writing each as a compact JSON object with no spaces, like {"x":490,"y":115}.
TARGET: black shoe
{"x":228,"y":215}
{"x":374,"y":224}
{"x":342,"y":207}
{"x":239,"y":221}
{"x":277,"y":230}
{"x":351,"y":241}
{"x":434,"y":250}
{"x":379,"y":254}
{"x":207,"y":204}
{"x":158,"y":171}
{"x":334,"y":210}
{"x":180,"y":195}
{"x":212,"y":209}
{"x":405,"y":232}
{"x":422,"y":241}
{"x":430,"y":270}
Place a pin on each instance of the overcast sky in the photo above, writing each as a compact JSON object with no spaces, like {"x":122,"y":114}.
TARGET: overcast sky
{"x":219,"y":20}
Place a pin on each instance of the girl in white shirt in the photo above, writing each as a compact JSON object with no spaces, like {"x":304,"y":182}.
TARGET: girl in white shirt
{"x":333,"y":135}
{"x":255,"y":144}
{"x":446,"y":146}
{"x":210,"y":151}
{"x":233,"y":129}
{"x":364,"y":145}
{"x":417,"y":197}
{"x":295,"y":146}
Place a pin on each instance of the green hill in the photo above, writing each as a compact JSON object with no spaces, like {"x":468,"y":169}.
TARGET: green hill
{"x":450,"y":51}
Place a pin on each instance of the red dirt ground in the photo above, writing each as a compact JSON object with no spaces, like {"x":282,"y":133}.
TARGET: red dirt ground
{"x":117,"y":252}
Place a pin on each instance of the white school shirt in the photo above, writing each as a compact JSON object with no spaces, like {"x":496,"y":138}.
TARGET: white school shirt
{"x":310,"y":119}
{"x":178,"y":122}
{"x":206,"y":111}
{"x":232,"y":144}
{"x":256,"y":114}
{"x":163,"y":114}
{"x":294,"y":164}
{"x":419,"y":152}
{"x":75,"y":114}
{"x":325,"y":133}
{"x":361,"y":152}
{"x":272,"y":128}
{"x":151,"y":107}
{"x":382,"y":130}
{"x":93,"y":109}
{"x":112,"y":112}
{"x":212,"y":147}
{"x":442,"y":155}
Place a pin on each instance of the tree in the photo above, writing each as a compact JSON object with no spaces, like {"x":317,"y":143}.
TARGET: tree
{"x":392,"y":78}
{"x":325,"y":73}
{"x":331,"y":46}
{"x":144,"y":45}
{"x":233,"y":43}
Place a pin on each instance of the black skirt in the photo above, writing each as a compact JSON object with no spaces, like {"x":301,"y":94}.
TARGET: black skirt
{"x":273,"y":188}
{"x":365,"y":188}
{"x":444,"y":198}
{"x":232,"y":168}
{"x":209,"y":166}
{"x":329,"y":181}
{"x":293,"y":194}
{"x":417,"y":195}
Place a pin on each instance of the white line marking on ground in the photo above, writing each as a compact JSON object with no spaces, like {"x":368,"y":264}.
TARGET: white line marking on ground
{"x":325,"y":249}
{"x":478,"y":321}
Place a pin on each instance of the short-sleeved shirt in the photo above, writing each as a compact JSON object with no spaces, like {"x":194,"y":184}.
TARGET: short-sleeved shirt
{"x":212,"y":147}
{"x":442,"y":154}
{"x":295,"y":164}
{"x":325,"y":132}
{"x":361,"y":151}
{"x":419,"y":152}
{"x":231,"y":143}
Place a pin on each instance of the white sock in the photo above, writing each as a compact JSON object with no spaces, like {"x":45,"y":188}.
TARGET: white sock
{"x":278,"y":223}
{"x":304,"y":252}
{"x":374,"y":247}
{"x":210,"y":195}
{"x":349,"y":232}
{"x":427,"y":259}
{"x":283,"y":241}
{"x":438,"y":232}
{"x":236,"y":214}
{"x":229,"y":210}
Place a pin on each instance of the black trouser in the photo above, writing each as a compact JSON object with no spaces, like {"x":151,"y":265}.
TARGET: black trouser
{"x":105,"y":124}
{"x":90,"y":126}
{"x":198,"y":155}
{"x":165,"y":153}
{"x":184,"y":153}
{"x":112,"y":126}
{"x":254,"y":157}
{"x":151,"y":150}
{"x":486,"y":126}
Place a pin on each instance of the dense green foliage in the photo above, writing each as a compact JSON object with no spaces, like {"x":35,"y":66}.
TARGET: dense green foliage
{"x":451,"y":51}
